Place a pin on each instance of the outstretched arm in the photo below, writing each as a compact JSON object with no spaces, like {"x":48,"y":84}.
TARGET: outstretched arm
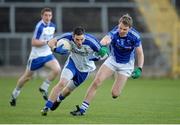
{"x":104,"y":52}
{"x":140,"y":56}
{"x":105,"y":40}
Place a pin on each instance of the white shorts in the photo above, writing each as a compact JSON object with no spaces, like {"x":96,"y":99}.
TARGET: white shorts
{"x":124,"y":69}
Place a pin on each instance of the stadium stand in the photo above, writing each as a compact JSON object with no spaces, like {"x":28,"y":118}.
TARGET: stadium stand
{"x":162,"y":20}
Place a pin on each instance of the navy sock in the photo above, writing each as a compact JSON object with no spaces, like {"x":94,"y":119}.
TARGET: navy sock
{"x":49,"y":104}
{"x":84,"y":107}
{"x":60,"y":98}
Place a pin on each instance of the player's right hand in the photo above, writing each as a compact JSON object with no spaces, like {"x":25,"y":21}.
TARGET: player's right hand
{"x":136,"y":73}
{"x":103,"y":51}
{"x":61,"y":50}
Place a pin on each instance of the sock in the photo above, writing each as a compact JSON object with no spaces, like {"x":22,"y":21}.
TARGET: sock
{"x":84,"y":107}
{"x":49,"y":104}
{"x":60,"y":98}
{"x":45,"y":85}
{"x":16,"y":92}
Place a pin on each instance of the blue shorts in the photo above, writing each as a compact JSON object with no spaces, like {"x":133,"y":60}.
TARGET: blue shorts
{"x":34,"y":64}
{"x":70,"y":72}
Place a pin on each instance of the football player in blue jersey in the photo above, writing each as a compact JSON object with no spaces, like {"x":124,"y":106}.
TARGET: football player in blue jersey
{"x":85,"y":50}
{"x":40,"y":56}
{"x":124,"y":42}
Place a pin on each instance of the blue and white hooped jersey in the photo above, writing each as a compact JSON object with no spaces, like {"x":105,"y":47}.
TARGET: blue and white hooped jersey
{"x":42,"y":32}
{"x":80,"y":56}
{"x":123,"y":48}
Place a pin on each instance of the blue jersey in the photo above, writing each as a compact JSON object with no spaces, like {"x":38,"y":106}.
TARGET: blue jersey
{"x":123,"y":48}
{"x":81,"y":56}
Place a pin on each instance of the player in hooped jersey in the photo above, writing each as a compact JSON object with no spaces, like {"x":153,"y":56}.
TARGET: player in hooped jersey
{"x":124,"y":42}
{"x":85,"y":50}
{"x":40,"y":56}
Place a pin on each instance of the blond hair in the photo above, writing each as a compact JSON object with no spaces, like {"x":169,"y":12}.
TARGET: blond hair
{"x":126,"y":20}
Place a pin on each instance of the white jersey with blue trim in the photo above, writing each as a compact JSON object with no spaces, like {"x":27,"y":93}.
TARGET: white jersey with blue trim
{"x":122,"y":49}
{"x":42,"y":32}
{"x":80,"y":56}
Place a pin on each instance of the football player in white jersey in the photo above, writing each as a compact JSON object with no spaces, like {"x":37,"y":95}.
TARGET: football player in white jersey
{"x":85,"y":50}
{"x":40,"y":56}
{"x":124,"y":42}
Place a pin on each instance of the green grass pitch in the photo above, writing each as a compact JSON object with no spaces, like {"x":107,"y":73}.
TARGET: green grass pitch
{"x":149,"y":101}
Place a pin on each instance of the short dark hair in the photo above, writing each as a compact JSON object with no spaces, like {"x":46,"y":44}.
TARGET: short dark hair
{"x":78,"y":30}
{"x":126,"y":20}
{"x":46,"y":10}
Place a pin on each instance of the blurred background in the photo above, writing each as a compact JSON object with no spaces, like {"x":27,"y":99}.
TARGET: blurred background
{"x":157,"y":21}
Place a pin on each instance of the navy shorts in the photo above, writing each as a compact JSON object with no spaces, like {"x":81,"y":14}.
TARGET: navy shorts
{"x":37,"y":63}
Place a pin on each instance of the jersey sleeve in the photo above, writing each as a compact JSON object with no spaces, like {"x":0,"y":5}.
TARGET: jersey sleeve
{"x":38,"y":31}
{"x":55,"y":27}
{"x":65,"y":35}
{"x":138,"y":42}
{"x":135,"y":37}
{"x":97,"y":46}
{"x":93,"y":43}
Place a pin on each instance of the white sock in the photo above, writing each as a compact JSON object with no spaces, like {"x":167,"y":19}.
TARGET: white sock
{"x":16,"y":92}
{"x":45,"y":85}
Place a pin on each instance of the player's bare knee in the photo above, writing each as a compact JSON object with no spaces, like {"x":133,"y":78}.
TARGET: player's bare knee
{"x":27,"y":78}
{"x":95,"y":85}
{"x":97,"y":81}
{"x":57,"y":70}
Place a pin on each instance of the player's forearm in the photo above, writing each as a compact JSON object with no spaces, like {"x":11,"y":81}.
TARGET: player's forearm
{"x":105,"y":40}
{"x":52,"y":43}
{"x":141,"y":60}
{"x":140,"y":56}
{"x":38,"y":43}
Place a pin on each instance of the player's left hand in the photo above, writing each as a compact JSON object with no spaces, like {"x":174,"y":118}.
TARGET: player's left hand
{"x":61,"y":50}
{"x":136,"y":73}
{"x":103,"y":51}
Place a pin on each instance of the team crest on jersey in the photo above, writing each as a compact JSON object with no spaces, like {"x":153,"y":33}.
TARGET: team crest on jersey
{"x":49,"y":30}
{"x":120,"y":42}
{"x":122,"y":45}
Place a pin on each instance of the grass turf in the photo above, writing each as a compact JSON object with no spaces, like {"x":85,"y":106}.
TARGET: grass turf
{"x":143,"y":101}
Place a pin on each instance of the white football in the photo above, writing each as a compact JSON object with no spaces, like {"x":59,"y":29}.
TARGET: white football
{"x":66,"y":43}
